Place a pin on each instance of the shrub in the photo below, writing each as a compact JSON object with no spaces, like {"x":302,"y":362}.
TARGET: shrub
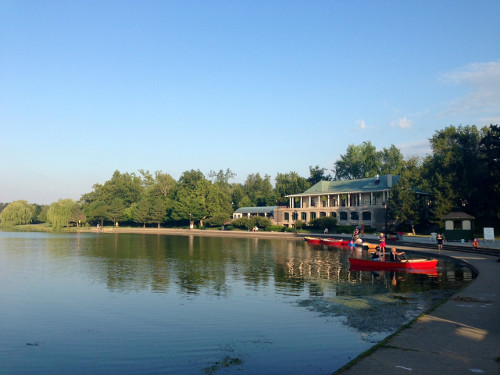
{"x":325,"y":222}
{"x":275,"y":228}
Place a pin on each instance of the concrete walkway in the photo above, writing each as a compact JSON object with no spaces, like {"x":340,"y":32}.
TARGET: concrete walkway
{"x":460,"y":336}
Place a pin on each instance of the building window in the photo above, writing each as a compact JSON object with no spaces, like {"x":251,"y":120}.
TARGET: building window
{"x":333,"y":214}
{"x":287,"y":216}
{"x":322,"y":214}
{"x":313,"y":215}
{"x":367,"y":215}
{"x":295,"y":216}
{"x":354,"y":216}
{"x":343,"y":216}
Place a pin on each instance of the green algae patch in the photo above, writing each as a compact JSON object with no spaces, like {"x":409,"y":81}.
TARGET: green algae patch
{"x":225,"y":362}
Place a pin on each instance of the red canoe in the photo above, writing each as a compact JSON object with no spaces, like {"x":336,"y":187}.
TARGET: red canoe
{"x":334,"y":242}
{"x":411,"y":264}
{"x":313,"y":240}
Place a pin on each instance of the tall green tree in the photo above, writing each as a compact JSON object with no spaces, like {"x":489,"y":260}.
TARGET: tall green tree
{"x":456,"y":171}
{"x":358,"y":162}
{"x":190,"y":197}
{"x":407,"y":205}
{"x":392,"y":160}
{"x":158,"y":211}
{"x":17,"y":213}
{"x":365,"y":161}
{"x":260,"y":190}
{"x":140,"y":212}
{"x":490,"y":155}
{"x":289,"y":183}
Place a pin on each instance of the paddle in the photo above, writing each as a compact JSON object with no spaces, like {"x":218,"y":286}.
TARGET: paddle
{"x":407,"y":259}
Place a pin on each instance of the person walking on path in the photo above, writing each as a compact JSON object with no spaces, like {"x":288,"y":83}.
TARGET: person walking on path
{"x":440,"y":240}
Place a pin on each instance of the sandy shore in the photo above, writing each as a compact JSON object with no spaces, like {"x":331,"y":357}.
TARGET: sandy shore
{"x":199,"y":232}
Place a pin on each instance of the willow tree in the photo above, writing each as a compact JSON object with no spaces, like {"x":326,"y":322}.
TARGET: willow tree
{"x":63,"y":212}
{"x":17,"y":213}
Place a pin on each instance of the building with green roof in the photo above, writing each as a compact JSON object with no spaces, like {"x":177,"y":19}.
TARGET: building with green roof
{"x":267,"y":211}
{"x":351,"y":202}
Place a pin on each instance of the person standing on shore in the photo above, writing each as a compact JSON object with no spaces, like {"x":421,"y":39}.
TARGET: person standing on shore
{"x":381,"y":239}
{"x":440,"y":240}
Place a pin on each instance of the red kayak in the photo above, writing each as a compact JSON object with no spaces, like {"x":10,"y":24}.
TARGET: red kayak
{"x":313,"y":240}
{"x":411,"y":264}
{"x":334,"y":242}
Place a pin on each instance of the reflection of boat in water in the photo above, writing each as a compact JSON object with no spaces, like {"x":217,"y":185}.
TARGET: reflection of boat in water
{"x":432,"y":272}
{"x":409,"y":264}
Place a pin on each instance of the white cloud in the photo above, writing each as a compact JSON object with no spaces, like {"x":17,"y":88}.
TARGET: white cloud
{"x":361,"y":124}
{"x":483,"y":82}
{"x":403,"y":123}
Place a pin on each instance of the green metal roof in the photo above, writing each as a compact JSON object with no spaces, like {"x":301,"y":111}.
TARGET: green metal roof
{"x":256,"y":210}
{"x":350,"y":186}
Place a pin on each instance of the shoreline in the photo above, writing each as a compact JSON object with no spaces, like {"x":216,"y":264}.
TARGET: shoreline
{"x":199,"y":232}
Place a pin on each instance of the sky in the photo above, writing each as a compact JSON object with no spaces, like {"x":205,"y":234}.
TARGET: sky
{"x":91,"y":87}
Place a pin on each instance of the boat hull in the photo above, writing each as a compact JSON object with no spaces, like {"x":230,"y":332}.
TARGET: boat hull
{"x":412,"y":264}
{"x":332,"y":242}
{"x":313,"y":240}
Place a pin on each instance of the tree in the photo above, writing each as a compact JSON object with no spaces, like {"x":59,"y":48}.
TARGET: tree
{"x":140,"y":212}
{"x":97,"y":211}
{"x":218,"y":201}
{"x":317,"y":174}
{"x":259,"y":190}
{"x":365,"y":161}
{"x":289,"y":183}
{"x":392,"y":161}
{"x":359,"y":162}
{"x":237,"y":196}
{"x":404,"y":204}
{"x":490,"y":155}
{"x":17,"y":213}
{"x":116,"y":211}
{"x":63,"y":212}
{"x":158,"y":211}
{"x":456,"y":171}
{"x":190,"y":197}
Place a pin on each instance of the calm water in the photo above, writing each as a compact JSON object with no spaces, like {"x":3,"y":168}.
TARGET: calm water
{"x":154,"y":304}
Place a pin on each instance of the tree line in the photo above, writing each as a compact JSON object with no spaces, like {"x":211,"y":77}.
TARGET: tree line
{"x":462,"y":172}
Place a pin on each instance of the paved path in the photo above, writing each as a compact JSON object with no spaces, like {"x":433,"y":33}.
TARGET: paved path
{"x":461,"y":336}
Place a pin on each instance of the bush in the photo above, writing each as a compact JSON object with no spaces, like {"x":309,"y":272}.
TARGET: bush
{"x":249,"y":223}
{"x":241,"y":223}
{"x":275,"y":228}
{"x":325,"y":222}
{"x":345,"y":228}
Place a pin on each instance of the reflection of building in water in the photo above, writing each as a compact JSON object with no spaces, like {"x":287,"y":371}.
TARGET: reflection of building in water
{"x":460,"y":274}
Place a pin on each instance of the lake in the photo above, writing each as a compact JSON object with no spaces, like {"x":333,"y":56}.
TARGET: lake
{"x":97,"y":303}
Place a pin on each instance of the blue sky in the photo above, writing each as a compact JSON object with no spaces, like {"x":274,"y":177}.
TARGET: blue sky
{"x":90,"y":87}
